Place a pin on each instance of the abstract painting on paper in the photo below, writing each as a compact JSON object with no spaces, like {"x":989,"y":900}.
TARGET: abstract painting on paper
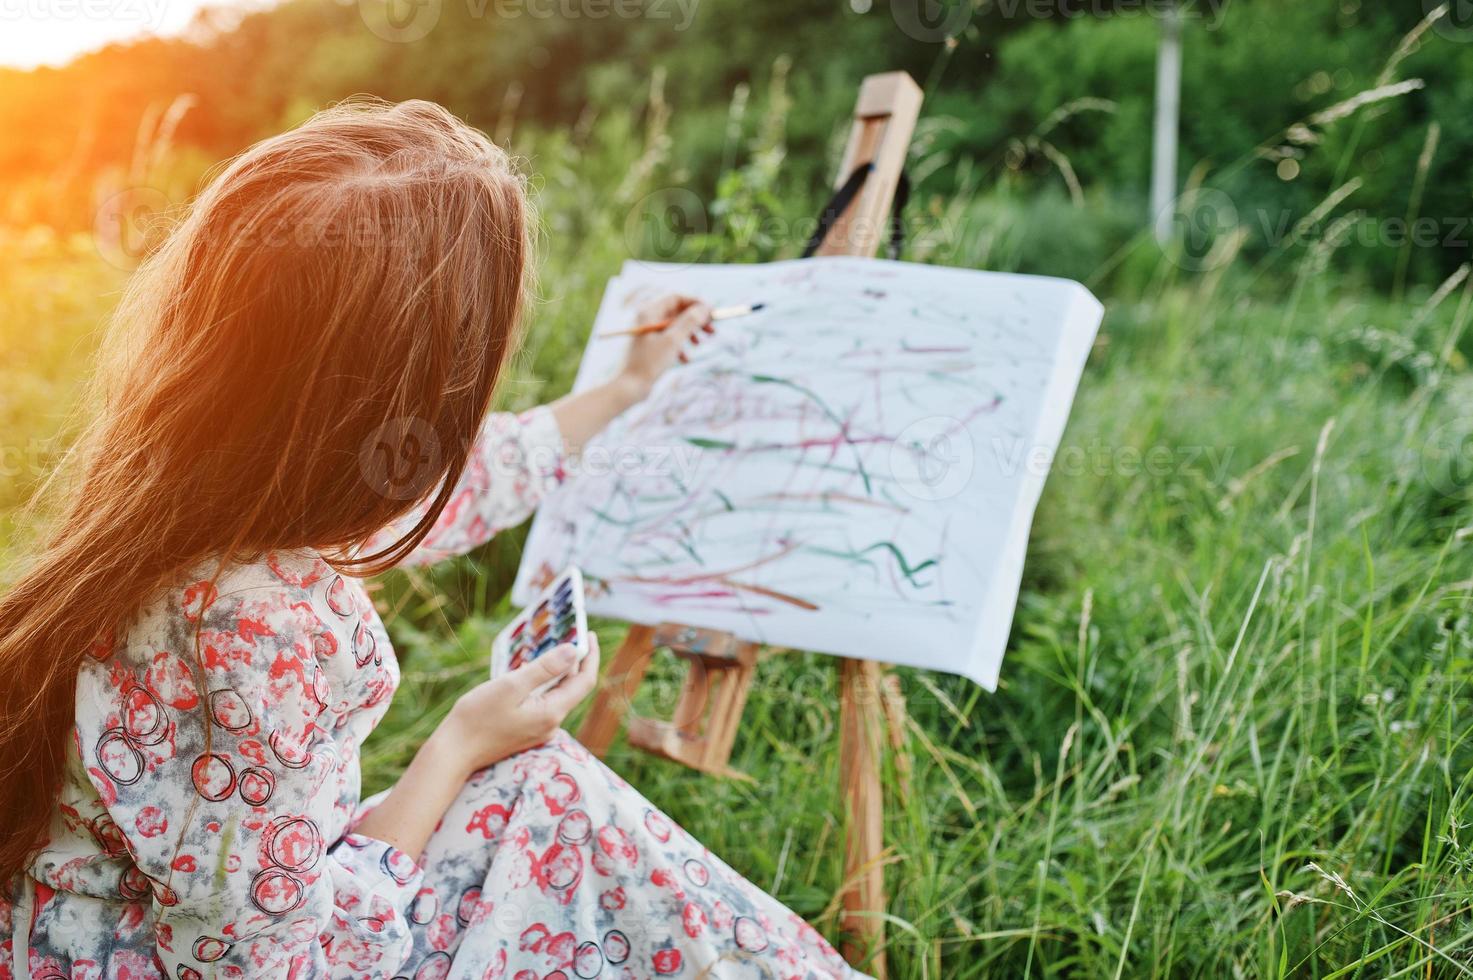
{"x":852,"y":470}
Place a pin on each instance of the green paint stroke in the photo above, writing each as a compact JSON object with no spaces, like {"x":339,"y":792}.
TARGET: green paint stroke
{"x":684,"y":544}
{"x":852,"y":556}
{"x":611,"y":519}
{"x":703,"y":442}
{"x":906,"y":568}
{"x":767,"y":379}
{"x":858,"y":557}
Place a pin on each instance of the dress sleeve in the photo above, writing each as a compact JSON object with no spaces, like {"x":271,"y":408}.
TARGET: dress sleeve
{"x":515,"y":462}
{"x":228,"y":793}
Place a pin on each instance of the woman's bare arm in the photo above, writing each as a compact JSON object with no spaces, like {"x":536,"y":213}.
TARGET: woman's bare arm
{"x":490,"y":722}
{"x":585,"y":414}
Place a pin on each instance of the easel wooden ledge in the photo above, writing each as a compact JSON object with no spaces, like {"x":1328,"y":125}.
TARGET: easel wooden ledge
{"x":722,"y":667}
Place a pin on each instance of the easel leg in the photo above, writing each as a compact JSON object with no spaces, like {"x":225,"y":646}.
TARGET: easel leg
{"x":616,"y":691}
{"x":861,"y":723}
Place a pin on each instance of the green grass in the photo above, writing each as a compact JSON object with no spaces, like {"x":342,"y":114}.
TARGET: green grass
{"x":1241,"y":649}
{"x":53,"y":298}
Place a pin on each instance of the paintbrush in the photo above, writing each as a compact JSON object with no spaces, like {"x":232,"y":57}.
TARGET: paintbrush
{"x":720,"y":313}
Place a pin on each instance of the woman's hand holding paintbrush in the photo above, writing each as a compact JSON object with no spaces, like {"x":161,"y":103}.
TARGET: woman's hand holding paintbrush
{"x":664,"y":329}
{"x":684,"y":321}
{"x":666,"y":326}
{"x":656,"y":326}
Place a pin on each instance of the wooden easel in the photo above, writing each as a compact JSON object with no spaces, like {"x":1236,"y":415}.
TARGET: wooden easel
{"x":721,"y":666}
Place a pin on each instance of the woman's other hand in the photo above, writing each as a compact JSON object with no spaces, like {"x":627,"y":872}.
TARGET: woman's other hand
{"x":652,"y":354}
{"x":504,"y":716}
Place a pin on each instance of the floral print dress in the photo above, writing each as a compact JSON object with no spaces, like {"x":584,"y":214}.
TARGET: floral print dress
{"x":206,"y":824}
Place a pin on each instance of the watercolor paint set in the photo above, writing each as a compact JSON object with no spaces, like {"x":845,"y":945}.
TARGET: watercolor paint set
{"x":557,"y":617}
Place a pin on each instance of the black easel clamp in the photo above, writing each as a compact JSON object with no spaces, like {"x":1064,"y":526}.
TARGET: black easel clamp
{"x":845,"y":195}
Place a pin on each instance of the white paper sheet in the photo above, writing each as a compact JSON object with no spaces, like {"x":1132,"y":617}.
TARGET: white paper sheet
{"x":852,"y":470}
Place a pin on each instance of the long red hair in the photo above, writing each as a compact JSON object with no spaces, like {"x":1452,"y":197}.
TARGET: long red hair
{"x":348,"y":289}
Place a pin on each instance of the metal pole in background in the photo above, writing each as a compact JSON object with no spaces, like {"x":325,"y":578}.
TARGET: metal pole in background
{"x":1168,"y":111}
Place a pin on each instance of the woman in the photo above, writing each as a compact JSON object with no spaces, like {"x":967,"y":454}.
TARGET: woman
{"x":191,"y":664}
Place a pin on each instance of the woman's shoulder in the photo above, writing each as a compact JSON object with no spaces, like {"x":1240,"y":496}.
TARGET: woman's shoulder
{"x":227,"y":618}
{"x":266,"y":645}
{"x":222,"y":670}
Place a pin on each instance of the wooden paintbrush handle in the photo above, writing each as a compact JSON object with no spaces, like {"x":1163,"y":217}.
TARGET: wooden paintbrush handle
{"x":643,"y":328}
